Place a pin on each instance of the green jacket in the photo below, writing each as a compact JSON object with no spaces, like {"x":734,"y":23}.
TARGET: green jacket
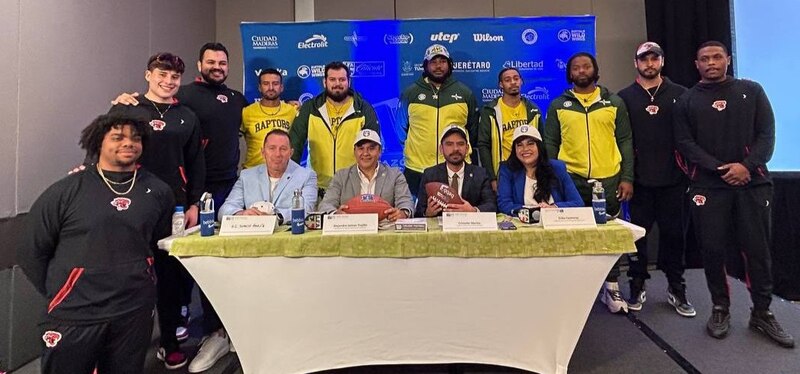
{"x":490,"y":133}
{"x":424,"y":113}
{"x":594,"y":142}
{"x":326,"y":152}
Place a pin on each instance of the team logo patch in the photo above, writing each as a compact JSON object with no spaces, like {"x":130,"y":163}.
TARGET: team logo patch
{"x":222,"y":98}
{"x":567,"y":104}
{"x":121,"y":203}
{"x":367,"y":198}
{"x":699,"y":200}
{"x":421,"y":97}
{"x":652,"y":109}
{"x":720,"y":105}
{"x":51,"y":338}
{"x":158,"y":124}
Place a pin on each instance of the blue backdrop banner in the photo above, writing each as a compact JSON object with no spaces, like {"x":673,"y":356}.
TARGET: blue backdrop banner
{"x":386,"y":56}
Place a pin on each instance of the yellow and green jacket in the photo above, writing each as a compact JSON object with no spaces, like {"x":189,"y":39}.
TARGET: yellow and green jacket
{"x":328,"y":152}
{"x":424,"y":113}
{"x":594,"y":142}
{"x":490,"y":133}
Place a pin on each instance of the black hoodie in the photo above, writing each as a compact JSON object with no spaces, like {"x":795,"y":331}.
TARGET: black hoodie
{"x":726,"y":122}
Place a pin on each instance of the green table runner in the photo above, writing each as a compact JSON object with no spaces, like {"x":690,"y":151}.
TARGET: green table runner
{"x":527,"y":241}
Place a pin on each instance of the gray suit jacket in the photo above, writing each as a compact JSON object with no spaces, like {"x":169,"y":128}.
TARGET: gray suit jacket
{"x":390,"y":185}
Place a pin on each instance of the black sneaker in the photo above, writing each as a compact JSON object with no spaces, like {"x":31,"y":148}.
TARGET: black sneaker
{"x":638,"y":294}
{"x":677,"y":298}
{"x":765,"y":322}
{"x":720,"y":322}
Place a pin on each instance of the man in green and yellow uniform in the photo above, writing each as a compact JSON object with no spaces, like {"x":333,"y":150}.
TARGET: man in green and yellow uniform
{"x":427,"y":106}
{"x":269,"y":113}
{"x":588,"y":128}
{"x":330,"y":123}
{"x":500,"y":118}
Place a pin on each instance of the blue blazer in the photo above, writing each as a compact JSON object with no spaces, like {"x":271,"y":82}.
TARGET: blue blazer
{"x":510,"y":186}
{"x":253,"y":186}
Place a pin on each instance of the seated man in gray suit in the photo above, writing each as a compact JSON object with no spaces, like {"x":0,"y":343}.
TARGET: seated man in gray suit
{"x":269,"y":188}
{"x":369,"y":176}
{"x":471,"y":181}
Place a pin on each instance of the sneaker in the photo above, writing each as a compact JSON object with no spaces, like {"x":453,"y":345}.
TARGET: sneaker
{"x":182,"y":332}
{"x":213,"y":348}
{"x":173,"y":360}
{"x":613,"y":298}
{"x":765,"y":322}
{"x":719,"y":323}
{"x":677,"y":298}
{"x":638,"y":294}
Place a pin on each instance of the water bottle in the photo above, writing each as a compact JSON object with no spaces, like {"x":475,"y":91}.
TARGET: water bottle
{"x":598,"y":202}
{"x":207,"y":215}
{"x":298,"y":212}
{"x":178,"y":221}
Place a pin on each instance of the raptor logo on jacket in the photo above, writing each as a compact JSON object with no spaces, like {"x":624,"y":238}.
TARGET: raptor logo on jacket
{"x":51,"y":338}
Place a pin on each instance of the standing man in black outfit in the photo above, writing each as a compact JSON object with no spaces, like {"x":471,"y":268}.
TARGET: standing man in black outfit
{"x":174,"y":154}
{"x":725,"y":129}
{"x":219,"y":110}
{"x":89,"y":251}
{"x":659,"y":183}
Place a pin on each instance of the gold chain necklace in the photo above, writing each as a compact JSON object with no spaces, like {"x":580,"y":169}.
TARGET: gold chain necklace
{"x":160,"y":113}
{"x":108,"y":182}
{"x":260,"y":106}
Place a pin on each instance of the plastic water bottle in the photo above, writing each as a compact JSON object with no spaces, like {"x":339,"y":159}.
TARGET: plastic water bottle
{"x":178,"y":221}
{"x":298,"y":212}
{"x":599,"y":202}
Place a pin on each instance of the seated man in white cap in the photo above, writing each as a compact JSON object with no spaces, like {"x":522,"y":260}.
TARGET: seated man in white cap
{"x":472,"y":182}
{"x":269,"y":187}
{"x":369,"y":176}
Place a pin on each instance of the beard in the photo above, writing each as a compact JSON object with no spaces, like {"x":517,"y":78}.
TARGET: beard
{"x":649,"y":73}
{"x":271,"y":95}
{"x":514,"y":91}
{"x":583,"y":82}
{"x":336,"y":96}
{"x":207,"y":76}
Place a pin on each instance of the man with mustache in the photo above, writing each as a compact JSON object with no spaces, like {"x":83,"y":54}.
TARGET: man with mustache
{"x":725,"y":128}
{"x":471,"y":182}
{"x":660,"y":185}
{"x":587,"y":127}
{"x":427,"y":106}
{"x":329,"y":123}
{"x":89,"y":251}
{"x":269,"y":113}
{"x":500,"y":118}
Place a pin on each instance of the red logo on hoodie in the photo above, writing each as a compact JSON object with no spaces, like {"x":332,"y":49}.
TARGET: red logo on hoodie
{"x":720,"y":105}
{"x":652,"y":109}
{"x":158,"y":124}
{"x":699,"y":200}
{"x":121,"y":203}
{"x":222,"y":98}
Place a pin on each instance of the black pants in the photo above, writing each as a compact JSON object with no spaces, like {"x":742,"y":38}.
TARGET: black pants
{"x":734,"y":221}
{"x":171,"y":286}
{"x":117,"y":346}
{"x":664,"y":206}
{"x":413,"y":178}
{"x":220,"y":191}
{"x":612,"y":205}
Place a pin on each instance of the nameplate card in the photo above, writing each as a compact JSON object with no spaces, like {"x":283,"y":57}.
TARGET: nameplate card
{"x":568,"y":218}
{"x":349,"y":224}
{"x":419,"y":224}
{"x":247,"y":225}
{"x":469,"y":221}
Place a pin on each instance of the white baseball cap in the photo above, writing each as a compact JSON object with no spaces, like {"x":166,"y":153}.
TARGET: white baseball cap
{"x":526,"y":130}
{"x":436,"y":50}
{"x":367,"y":134}
{"x":453,"y":128}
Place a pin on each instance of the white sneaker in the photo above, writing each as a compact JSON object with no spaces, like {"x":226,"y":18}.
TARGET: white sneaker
{"x":213,"y":348}
{"x":613,"y":298}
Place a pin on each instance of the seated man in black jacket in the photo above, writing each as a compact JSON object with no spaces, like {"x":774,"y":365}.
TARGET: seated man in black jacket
{"x":89,"y":251}
{"x":472,"y":182}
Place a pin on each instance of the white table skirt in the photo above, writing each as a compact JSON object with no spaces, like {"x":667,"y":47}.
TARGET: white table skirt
{"x":299,"y":315}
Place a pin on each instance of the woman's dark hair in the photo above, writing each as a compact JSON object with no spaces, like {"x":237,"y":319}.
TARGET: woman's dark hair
{"x":545,"y":176}
{"x":92,"y":136}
